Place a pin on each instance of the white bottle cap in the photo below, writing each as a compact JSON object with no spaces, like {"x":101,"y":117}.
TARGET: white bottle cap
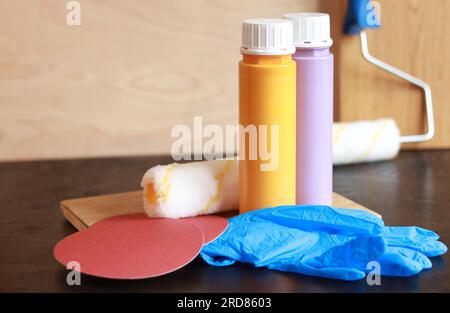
{"x":311,"y":30}
{"x":267,"y":37}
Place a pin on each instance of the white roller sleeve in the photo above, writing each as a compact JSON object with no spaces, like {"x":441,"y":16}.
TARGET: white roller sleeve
{"x":190,"y":189}
{"x":365,"y":141}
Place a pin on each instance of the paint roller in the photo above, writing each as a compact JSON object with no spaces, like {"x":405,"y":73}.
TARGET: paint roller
{"x":367,"y":141}
{"x":190,"y":189}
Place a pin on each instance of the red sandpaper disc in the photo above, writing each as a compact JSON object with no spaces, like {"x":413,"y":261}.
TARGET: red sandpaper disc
{"x":212,"y":226}
{"x":132,"y":247}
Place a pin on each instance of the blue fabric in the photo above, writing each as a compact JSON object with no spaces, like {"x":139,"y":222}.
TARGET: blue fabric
{"x":358,"y":17}
{"x":323,"y":241}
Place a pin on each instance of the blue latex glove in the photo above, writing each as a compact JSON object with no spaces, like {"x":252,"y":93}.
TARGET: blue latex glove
{"x":311,"y":240}
{"x":321,"y":241}
{"x":408,"y":250}
{"x":415,"y":238}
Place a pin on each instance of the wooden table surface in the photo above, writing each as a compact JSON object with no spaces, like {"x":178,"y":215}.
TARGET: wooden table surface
{"x":412,"y":190}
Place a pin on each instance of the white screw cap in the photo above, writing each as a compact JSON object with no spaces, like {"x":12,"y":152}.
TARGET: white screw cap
{"x":267,"y":37}
{"x":311,"y":30}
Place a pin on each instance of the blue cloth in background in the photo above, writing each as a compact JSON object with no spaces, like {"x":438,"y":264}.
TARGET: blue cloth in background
{"x":323,"y":241}
{"x":359,"y":16}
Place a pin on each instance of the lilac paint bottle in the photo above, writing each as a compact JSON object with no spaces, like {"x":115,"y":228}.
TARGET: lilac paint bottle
{"x":314,"y":165}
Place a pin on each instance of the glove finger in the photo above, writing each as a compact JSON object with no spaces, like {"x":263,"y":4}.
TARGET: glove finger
{"x":428,"y":248}
{"x":340,"y":273}
{"x":410,"y":232}
{"x":397,"y":261}
{"x":415,"y":238}
{"x":433,"y":249}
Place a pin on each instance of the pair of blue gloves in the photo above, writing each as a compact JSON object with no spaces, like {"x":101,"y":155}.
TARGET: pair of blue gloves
{"x":323,"y":241}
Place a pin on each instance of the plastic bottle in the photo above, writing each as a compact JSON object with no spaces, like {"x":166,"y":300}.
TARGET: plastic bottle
{"x":314,"y":107}
{"x":267,"y":97}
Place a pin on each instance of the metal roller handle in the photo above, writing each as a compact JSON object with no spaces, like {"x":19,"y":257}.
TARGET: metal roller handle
{"x":413,"y":80}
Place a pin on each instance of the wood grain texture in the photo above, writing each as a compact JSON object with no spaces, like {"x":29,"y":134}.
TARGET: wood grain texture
{"x":118,"y":83}
{"x":415,"y":37}
{"x":84,"y":212}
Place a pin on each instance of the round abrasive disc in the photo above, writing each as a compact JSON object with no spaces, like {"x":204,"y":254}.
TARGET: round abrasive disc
{"x":212,"y":226}
{"x":132,"y":247}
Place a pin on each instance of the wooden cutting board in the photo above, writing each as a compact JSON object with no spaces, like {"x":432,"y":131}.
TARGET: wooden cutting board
{"x":83,"y":212}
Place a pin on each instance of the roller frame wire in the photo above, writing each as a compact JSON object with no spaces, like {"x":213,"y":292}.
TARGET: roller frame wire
{"x":413,"y":80}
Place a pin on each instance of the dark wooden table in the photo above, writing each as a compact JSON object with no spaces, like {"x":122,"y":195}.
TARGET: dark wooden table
{"x":412,"y":190}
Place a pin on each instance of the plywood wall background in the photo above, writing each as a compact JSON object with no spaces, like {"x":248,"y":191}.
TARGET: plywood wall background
{"x":118,"y":83}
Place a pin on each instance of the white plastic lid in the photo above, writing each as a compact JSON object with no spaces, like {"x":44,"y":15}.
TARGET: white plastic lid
{"x":311,"y":30}
{"x":267,"y":37}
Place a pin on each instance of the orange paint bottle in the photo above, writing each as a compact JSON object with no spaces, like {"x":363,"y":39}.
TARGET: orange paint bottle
{"x":267,"y":106}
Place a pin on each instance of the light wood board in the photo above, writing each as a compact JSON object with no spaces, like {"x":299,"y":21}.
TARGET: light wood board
{"x":84,"y":212}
